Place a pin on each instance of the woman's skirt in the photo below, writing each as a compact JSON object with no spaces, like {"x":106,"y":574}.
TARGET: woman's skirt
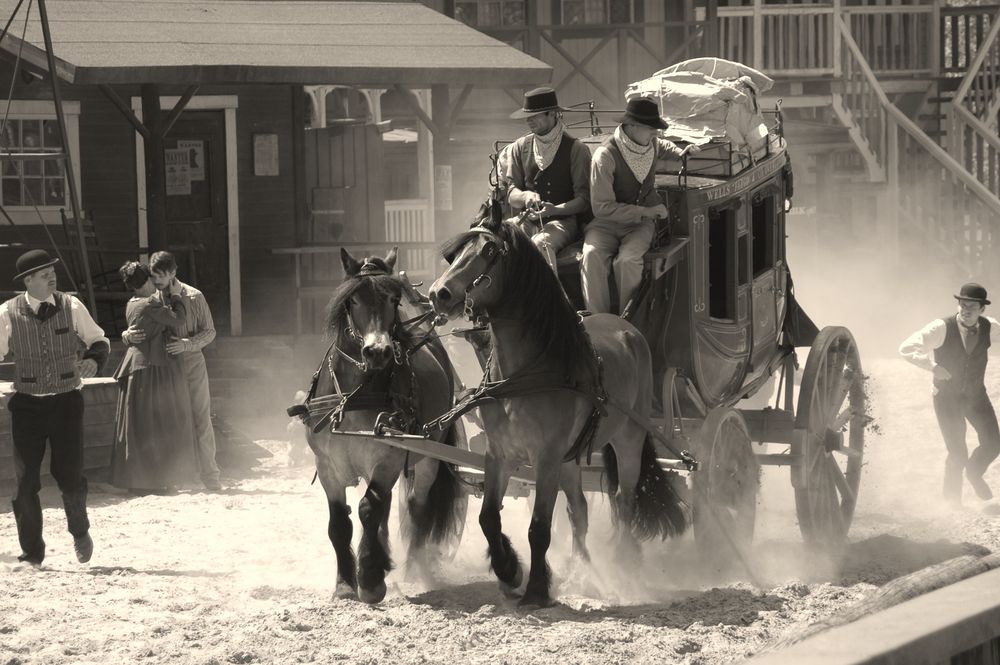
{"x":154,"y":433}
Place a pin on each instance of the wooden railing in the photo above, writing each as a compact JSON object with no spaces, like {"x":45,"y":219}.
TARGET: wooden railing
{"x":962,"y":31}
{"x":793,"y":40}
{"x":938,"y":200}
{"x":971,"y":116}
{"x":619,"y":40}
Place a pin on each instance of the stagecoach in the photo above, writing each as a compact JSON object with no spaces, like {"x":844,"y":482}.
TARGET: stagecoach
{"x":718,"y":310}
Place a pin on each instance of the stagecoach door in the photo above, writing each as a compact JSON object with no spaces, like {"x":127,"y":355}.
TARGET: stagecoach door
{"x":767,"y":269}
{"x":197,"y":231}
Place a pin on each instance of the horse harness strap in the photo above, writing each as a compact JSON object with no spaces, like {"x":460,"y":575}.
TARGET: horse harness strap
{"x":522,"y":384}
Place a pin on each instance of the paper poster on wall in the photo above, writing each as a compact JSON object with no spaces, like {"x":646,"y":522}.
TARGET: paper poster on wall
{"x":178,"y":167}
{"x":442,"y":187}
{"x":196,"y":158}
{"x":265,"y":154}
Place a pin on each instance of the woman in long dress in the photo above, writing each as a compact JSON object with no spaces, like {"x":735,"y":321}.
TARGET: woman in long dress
{"x":154,"y":446}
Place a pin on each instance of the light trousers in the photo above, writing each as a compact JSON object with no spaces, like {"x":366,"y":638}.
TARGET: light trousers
{"x":617,"y":245}
{"x":196,"y":374}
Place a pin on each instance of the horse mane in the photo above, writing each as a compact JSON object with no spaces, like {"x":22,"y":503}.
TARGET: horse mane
{"x":385,"y":286}
{"x":548,"y":315}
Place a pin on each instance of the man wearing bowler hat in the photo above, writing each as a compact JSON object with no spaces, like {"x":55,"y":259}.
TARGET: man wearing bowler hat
{"x":955,"y":350}
{"x":44,"y":328}
{"x":548,"y":173}
{"x":625,"y":203}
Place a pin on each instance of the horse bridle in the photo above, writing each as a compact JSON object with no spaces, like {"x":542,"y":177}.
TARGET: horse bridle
{"x":369,"y":269}
{"x":491,"y":252}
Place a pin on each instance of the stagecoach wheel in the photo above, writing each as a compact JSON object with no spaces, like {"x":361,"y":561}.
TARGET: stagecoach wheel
{"x":725,"y":487}
{"x":829,"y":439}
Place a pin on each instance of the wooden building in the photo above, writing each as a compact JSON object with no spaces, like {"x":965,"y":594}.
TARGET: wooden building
{"x":249,"y":137}
{"x":894,"y":102}
{"x":253,"y":178}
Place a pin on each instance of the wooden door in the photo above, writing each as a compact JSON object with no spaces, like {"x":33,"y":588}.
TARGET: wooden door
{"x":197,"y":214}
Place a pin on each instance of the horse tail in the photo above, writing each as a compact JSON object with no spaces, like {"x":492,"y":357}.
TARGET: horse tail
{"x":443,"y":515}
{"x":660,"y":509}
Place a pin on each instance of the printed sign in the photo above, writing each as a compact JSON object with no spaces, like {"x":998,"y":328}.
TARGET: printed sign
{"x":265,"y":154}
{"x":196,"y":158}
{"x":442,"y":187}
{"x":178,"y":167}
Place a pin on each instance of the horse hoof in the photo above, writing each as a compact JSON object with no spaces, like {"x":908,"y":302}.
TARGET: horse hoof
{"x":345,"y":591}
{"x":532,"y":601}
{"x":508,"y":590}
{"x":374,"y":595}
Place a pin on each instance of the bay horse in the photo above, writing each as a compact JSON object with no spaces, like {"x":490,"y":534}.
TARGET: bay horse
{"x":555,"y":366}
{"x":372,"y":366}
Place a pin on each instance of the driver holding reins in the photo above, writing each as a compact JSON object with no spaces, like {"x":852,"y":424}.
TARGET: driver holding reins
{"x":548,"y":175}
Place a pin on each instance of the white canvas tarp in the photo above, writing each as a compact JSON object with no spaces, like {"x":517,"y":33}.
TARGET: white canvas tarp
{"x":710,"y":98}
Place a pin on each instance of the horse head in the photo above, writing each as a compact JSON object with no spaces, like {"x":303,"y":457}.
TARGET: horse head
{"x":475,"y":274}
{"x":365,"y":307}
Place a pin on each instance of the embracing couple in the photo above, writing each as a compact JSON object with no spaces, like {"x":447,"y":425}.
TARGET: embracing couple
{"x":163,"y":431}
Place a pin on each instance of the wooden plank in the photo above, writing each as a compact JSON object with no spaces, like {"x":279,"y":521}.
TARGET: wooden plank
{"x":926,"y":617}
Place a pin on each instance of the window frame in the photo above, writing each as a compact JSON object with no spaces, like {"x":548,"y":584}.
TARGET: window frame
{"x":38,"y":109}
{"x":491,"y":26}
{"x":636,"y":14}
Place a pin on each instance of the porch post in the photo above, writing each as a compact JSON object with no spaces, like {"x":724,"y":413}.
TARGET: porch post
{"x":443,"y":173}
{"x":711,"y":47}
{"x":532,"y":38}
{"x":156,"y":178}
{"x":758,"y":34}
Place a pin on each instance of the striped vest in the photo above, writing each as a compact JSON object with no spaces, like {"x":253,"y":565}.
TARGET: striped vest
{"x":45,"y":352}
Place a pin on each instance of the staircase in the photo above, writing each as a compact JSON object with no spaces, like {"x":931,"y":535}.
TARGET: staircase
{"x":945,"y":197}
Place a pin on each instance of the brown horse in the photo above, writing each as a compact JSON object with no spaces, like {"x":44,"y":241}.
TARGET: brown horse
{"x":374,"y":366}
{"x":539,"y":343}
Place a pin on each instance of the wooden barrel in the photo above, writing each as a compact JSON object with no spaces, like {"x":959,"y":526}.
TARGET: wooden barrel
{"x":100,"y":398}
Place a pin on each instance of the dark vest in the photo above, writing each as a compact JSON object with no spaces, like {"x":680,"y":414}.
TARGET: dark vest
{"x":967,"y":368}
{"x":627,"y":187}
{"x":45,"y":352}
{"x":554,"y":183}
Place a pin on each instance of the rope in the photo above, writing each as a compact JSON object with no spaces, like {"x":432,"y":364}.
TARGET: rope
{"x":9,"y":154}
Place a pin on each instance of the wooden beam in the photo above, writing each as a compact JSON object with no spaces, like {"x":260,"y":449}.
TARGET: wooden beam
{"x":456,"y":108}
{"x":123,"y":108}
{"x":156,"y":177}
{"x":411,"y":101}
{"x":178,"y":109}
{"x":74,"y":197}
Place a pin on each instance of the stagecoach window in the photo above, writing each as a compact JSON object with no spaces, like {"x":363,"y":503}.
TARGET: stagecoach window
{"x":764,"y":237}
{"x":722,"y":264}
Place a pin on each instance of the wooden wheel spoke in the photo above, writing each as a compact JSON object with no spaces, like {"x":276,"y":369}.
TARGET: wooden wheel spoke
{"x":840,"y":422}
{"x":840,"y":481}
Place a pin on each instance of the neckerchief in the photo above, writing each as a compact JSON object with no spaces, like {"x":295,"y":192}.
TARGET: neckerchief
{"x":545,"y":146}
{"x":638,"y":157}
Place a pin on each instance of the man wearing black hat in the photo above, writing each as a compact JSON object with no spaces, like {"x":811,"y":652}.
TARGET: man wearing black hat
{"x":625,"y":203}
{"x":43,"y":329}
{"x":548,"y":171}
{"x":955,"y":349}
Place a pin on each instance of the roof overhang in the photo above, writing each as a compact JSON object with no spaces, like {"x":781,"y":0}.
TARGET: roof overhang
{"x":259,"y":41}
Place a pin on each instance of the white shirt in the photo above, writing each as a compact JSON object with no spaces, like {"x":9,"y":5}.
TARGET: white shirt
{"x":84,"y":325}
{"x":919,"y":347}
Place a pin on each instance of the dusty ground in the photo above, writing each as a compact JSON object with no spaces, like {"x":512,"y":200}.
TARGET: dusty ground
{"x":246,"y":575}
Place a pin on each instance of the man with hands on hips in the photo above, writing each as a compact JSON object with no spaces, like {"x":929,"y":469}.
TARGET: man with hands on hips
{"x":200,"y":333}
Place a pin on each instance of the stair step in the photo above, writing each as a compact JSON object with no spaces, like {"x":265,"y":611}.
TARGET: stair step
{"x":935,"y":132}
{"x":931,"y":116}
{"x":940,"y":100}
